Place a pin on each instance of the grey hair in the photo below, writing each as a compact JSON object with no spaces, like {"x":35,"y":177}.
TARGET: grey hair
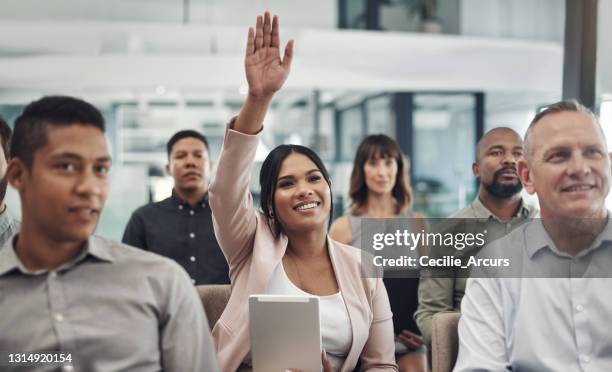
{"x":570,"y":105}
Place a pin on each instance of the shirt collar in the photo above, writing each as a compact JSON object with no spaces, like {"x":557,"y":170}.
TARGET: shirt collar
{"x":180,"y":202}
{"x":94,"y":247}
{"x":481,"y":212}
{"x":537,"y":238}
{"x":99,"y":248}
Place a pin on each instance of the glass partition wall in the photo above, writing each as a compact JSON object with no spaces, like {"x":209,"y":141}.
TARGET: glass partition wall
{"x":436,"y":130}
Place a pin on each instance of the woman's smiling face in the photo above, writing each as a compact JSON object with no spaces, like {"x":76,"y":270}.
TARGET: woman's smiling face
{"x":303,"y":197}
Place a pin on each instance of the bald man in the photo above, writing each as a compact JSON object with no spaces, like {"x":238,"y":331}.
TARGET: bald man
{"x":498,"y":208}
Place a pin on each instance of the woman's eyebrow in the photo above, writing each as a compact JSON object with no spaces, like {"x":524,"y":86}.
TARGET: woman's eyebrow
{"x":291,"y":176}
{"x":287,"y":177}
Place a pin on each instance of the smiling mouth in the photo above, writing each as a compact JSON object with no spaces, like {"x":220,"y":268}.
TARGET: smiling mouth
{"x":578,"y":188}
{"x":85,"y":213}
{"x":306,"y":206}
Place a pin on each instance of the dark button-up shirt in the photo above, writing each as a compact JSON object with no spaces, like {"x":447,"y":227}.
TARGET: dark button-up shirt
{"x":175,"y":229}
{"x":112,"y":308}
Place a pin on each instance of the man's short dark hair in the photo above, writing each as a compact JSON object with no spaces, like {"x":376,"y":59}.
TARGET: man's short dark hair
{"x":185,"y":134}
{"x":5,"y":137}
{"x":30,"y":132}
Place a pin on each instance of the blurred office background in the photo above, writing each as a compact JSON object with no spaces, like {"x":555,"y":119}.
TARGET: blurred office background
{"x":433,"y":74}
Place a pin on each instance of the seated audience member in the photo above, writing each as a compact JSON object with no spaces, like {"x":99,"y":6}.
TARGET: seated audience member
{"x":379,"y":188}
{"x":285,"y":249}
{"x":8,"y":225}
{"x":180,"y":227}
{"x":550,"y":322}
{"x":108,"y":306}
{"x":498,"y":208}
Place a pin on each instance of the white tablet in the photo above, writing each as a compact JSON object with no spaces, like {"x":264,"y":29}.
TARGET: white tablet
{"x":285,"y":333}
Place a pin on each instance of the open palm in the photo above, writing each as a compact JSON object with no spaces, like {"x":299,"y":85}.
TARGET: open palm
{"x":265,"y":71}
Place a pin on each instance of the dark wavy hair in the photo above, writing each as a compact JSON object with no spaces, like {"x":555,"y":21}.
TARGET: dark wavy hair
{"x":269,"y":175}
{"x":382,"y":146}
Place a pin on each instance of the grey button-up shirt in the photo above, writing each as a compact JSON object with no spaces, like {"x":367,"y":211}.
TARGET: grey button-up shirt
{"x":113,"y":308}
{"x":8,"y":227}
{"x":540,"y":324}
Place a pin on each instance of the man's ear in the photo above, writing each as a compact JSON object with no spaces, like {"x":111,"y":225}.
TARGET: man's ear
{"x":167,"y":168}
{"x":16,"y":172}
{"x":476,"y":169}
{"x":526,"y":177}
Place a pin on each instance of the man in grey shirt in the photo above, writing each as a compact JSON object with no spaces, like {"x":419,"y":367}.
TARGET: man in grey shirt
{"x":89,"y":303}
{"x":550,"y":309}
{"x":8,"y":225}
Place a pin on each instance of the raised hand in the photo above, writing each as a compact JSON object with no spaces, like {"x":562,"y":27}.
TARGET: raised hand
{"x":265,"y":71}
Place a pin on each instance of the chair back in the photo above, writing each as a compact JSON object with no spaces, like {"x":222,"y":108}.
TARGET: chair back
{"x":444,"y":341}
{"x":214,"y":298}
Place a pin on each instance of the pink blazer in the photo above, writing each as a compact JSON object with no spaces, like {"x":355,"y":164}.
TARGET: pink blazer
{"x":252,"y":253}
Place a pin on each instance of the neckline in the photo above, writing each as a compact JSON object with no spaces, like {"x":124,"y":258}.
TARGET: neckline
{"x":284,"y":273}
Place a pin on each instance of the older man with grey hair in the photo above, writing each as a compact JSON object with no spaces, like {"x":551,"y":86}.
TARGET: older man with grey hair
{"x":539,"y":318}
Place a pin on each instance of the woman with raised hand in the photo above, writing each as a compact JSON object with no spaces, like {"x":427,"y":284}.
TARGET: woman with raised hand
{"x":285,"y":248}
{"x":379,"y":188}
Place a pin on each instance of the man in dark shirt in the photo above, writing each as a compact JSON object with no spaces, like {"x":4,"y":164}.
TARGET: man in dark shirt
{"x":180,"y":227}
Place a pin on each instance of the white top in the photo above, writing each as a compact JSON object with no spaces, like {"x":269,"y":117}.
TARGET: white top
{"x":336,"y":331}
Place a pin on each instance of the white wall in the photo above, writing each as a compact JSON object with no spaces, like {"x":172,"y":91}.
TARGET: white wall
{"x":298,"y":13}
{"x":604,"y":48}
{"x":515,"y":109}
{"x":519,"y":19}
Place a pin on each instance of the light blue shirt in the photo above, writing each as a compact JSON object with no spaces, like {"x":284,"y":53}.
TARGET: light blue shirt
{"x":540,"y":324}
